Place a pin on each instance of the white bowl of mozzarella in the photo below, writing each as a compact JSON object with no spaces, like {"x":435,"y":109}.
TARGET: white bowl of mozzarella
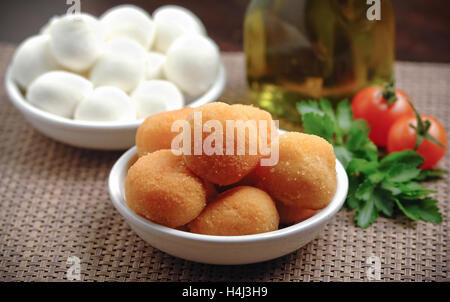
{"x":91,"y":82}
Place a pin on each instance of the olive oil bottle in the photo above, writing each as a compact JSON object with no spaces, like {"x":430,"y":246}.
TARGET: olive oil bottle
{"x":311,"y":49}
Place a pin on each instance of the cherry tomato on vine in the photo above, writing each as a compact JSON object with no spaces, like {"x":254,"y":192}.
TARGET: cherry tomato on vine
{"x":425,"y":135}
{"x":381,"y":108}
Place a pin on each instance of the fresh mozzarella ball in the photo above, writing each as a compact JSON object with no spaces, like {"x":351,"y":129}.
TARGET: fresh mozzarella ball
{"x":129,"y":21}
{"x":106,"y":104}
{"x":45,"y":30}
{"x":156,"y":96}
{"x":121,"y":65}
{"x":192,"y":63}
{"x":31,"y":59}
{"x":76,"y":41}
{"x":173,"y":21}
{"x":155,"y":66}
{"x":58,"y":92}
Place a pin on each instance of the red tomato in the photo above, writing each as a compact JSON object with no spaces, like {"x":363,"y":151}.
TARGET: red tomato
{"x":402,"y":137}
{"x":370,"y":105}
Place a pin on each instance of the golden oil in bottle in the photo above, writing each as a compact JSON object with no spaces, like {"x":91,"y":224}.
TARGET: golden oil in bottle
{"x":310,"y":49}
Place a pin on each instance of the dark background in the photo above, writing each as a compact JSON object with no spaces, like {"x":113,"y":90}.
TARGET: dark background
{"x":423,"y":26}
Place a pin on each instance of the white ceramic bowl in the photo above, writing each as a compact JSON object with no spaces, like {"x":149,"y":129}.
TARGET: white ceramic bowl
{"x":222,"y":249}
{"x":91,"y":135}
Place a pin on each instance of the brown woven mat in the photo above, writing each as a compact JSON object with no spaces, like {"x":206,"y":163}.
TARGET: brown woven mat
{"x":54,"y":204}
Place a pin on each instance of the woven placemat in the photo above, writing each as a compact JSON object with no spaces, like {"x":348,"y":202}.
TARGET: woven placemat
{"x":54,"y":204}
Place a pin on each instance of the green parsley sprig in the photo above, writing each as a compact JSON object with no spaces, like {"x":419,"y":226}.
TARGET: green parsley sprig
{"x":378,"y":184}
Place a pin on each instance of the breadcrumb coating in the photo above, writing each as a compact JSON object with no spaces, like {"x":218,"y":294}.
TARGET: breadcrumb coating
{"x":226,"y":169}
{"x":155,"y":132}
{"x":291,"y":215}
{"x":239,"y":211}
{"x":160,"y":188}
{"x":305,"y":175}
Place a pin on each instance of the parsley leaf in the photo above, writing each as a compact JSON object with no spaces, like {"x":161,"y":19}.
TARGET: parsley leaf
{"x":367,"y":214}
{"x":409,"y":157}
{"x":318,"y":125}
{"x":344,"y":116}
{"x":401,"y":172}
{"x":377,"y":184}
{"x":384,"y":201}
{"x":424,"y":209}
{"x":430,"y":174}
{"x":429,"y":211}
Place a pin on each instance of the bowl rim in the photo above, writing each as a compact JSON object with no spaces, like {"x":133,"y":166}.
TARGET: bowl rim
{"x":119,"y":202}
{"x":17,"y":98}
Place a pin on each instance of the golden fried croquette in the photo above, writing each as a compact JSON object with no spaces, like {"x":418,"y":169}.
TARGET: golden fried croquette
{"x":160,"y":188}
{"x":292,"y":215}
{"x":305,"y":175}
{"x":225,"y":169}
{"x":155,"y":132}
{"x":251,"y":179}
{"x":211,"y":190}
{"x":183,"y":228}
{"x":239,"y":211}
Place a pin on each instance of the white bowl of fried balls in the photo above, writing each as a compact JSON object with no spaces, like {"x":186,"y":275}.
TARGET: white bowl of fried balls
{"x":72,"y":71}
{"x":226,"y":209}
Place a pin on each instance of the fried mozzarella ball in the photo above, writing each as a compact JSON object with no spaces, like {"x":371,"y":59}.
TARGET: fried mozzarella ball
{"x":58,"y":92}
{"x":76,"y":41}
{"x":155,"y":132}
{"x":106,"y":104}
{"x":218,"y":165}
{"x":121,"y":65}
{"x":239,"y":211}
{"x":192,"y":63}
{"x":129,"y":21}
{"x":211,"y":191}
{"x":305,"y":175}
{"x":156,"y":96}
{"x":154,"y":67}
{"x":171,"y":22}
{"x":32,"y":59}
{"x":251,"y":180}
{"x":160,"y":188}
{"x":183,"y":228}
{"x":291,"y":215}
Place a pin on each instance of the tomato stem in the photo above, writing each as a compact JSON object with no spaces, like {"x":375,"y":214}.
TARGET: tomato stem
{"x":389,"y":93}
{"x":422,"y":129}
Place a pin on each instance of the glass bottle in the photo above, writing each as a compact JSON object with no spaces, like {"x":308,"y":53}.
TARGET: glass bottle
{"x":311,"y":49}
